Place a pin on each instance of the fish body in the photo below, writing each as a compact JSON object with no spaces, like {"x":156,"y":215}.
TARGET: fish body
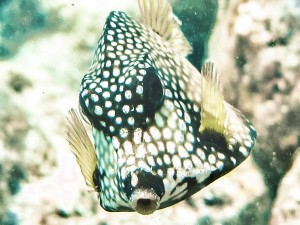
{"x":162,"y":130}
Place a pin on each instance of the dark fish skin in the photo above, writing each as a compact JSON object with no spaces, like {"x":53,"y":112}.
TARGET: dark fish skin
{"x":143,"y":99}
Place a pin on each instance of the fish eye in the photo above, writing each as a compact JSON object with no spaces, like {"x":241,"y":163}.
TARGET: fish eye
{"x":153,"y":90}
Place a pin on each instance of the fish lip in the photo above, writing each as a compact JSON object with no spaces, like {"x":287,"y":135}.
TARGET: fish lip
{"x":144,"y":201}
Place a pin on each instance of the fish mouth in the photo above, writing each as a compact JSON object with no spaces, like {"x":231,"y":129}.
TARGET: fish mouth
{"x":144,"y":201}
{"x":144,"y":191}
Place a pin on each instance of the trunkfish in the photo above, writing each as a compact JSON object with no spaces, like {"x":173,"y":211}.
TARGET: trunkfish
{"x":161,"y":129}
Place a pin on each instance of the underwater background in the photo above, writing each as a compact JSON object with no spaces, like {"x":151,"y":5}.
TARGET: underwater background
{"x":45,"y":49}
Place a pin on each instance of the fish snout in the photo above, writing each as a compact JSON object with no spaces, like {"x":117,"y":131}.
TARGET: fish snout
{"x":144,"y":201}
{"x":144,"y":191}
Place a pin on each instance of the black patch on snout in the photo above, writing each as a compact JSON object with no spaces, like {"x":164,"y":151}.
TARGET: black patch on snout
{"x":146,"y":180}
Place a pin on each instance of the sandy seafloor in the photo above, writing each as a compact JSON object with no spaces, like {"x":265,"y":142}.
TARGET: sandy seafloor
{"x":256,"y":47}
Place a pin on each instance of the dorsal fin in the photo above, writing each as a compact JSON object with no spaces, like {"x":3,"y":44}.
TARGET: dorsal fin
{"x":213,"y":113}
{"x":158,"y":15}
{"x":82,"y":147}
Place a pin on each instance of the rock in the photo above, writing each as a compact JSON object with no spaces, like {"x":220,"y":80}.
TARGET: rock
{"x":198,"y":18}
{"x":235,"y":191}
{"x":286,"y":210}
{"x":279,"y":145}
{"x":9,"y":218}
{"x":15,"y":176}
{"x":256,"y":212}
{"x":259,"y":63}
{"x":206,"y":220}
{"x":18,"y":21}
{"x":18,"y":82}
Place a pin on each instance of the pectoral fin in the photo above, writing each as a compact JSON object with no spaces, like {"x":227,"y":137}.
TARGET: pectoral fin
{"x":213,"y":113}
{"x":82,"y":147}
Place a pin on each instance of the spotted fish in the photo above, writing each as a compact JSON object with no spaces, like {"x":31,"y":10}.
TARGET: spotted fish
{"x":161,"y":128}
